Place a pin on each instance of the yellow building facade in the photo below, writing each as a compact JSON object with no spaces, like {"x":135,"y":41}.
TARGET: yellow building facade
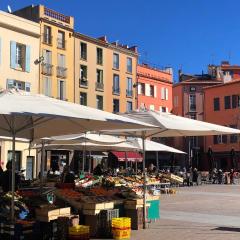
{"x":56,"y":55}
{"x":105,"y":74}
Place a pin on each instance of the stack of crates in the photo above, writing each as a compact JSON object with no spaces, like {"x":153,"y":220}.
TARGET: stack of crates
{"x":121,"y":228}
{"x":105,"y":226}
{"x":78,"y":232}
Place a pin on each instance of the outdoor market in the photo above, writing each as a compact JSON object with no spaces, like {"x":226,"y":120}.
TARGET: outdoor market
{"x":95,"y":198}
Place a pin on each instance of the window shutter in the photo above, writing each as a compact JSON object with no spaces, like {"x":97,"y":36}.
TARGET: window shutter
{"x":167,"y":109}
{"x":13,"y":46}
{"x":162,"y":93}
{"x":151,"y":107}
{"x":10,"y":83}
{"x":147,"y":90}
{"x":64,"y":90}
{"x":28,"y":59}
{"x":160,"y":109}
{"x":49,"y":87}
{"x":58,"y":88}
{"x":28,"y":87}
{"x":166,"y":93}
{"x":155,"y":91}
{"x":139,"y":88}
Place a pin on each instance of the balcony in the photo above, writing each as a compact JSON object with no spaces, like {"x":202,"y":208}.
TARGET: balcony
{"x":58,"y":16}
{"x":192,"y":108}
{"x":116,"y":91}
{"x":129,"y":93}
{"x":99,"y":86}
{"x":61,"y":44}
{"x":61,"y":72}
{"x":47,"y":39}
{"x":83,"y":83}
{"x":47,"y":69}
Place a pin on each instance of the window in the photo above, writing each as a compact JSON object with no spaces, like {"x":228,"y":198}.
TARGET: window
{"x":163,"y":109}
{"x":227,"y":102}
{"x":129,"y":91}
{"x":99,"y":82}
{"x":20,"y":55}
{"x":47,"y":35}
{"x":61,"y":40}
{"x":61,"y":69}
{"x":151,"y":107}
{"x":233,"y":137}
{"x":83,"y":75}
{"x":164,"y":93}
{"x":99,"y":76}
{"x":61,"y":90}
{"x":116,"y":61}
{"x":116,"y":87}
{"x":83,"y":51}
{"x":129,"y":106}
{"x":235,"y":101}
{"x":25,"y":86}
{"x":99,"y":100}
{"x":47,"y":63}
{"x":129,"y":65}
{"x":216,"y":104}
{"x":141,"y":88}
{"x":99,"y":56}
{"x":192,"y":102}
{"x":115,"y":105}
{"x":218,"y":139}
{"x":47,"y":86}
{"x":83,"y":98}
{"x":151,"y":90}
{"x":18,"y":159}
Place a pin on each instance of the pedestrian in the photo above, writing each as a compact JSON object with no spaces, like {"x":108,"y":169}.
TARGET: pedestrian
{"x":195,"y":176}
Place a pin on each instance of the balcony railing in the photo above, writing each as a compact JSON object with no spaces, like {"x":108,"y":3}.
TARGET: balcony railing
{"x":58,"y":16}
{"x":83,"y":83}
{"x":116,"y":91}
{"x":47,"y":69}
{"x":99,"y":86}
{"x":61,"y":72}
{"x":129,"y":93}
{"x":47,"y":39}
{"x":192,"y":108}
{"x":61,"y":44}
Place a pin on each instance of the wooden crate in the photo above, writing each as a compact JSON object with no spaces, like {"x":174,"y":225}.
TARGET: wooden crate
{"x":93,"y":206}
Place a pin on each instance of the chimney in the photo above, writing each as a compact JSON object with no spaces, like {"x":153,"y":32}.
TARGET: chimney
{"x":180,"y":75}
{"x":103,"y":38}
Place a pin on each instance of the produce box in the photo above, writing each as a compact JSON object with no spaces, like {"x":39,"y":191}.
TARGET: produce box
{"x":93,"y":206}
{"x":47,"y":211}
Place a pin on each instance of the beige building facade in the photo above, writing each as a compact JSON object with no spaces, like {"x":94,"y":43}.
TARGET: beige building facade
{"x":19,"y":51}
{"x":105,"y":74}
{"x":56,"y":54}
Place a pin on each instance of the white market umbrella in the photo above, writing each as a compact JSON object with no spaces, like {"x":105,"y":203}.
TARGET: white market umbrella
{"x":25,"y":115}
{"x":170,"y":125}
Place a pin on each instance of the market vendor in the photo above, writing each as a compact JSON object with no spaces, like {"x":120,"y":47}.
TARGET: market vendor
{"x":7,"y":178}
{"x":67,"y":176}
{"x":98,"y":170}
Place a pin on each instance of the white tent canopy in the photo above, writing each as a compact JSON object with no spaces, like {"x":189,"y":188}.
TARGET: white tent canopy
{"x":170,"y":125}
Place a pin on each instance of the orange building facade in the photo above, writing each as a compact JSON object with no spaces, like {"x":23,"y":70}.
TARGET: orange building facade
{"x":154,"y":88}
{"x":189,"y":101}
{"x":221,"y":106}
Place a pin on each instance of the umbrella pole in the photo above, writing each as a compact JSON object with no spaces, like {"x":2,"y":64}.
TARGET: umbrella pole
{"x":126,"y":163}
{"x":144,"y":184}
{"x":42,"y":166}
{"x":13,"y":176}
{"x":90,"y":161}
{"x":157,"y":163}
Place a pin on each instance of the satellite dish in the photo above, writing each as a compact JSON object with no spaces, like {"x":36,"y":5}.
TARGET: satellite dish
{"x":9,"y":9}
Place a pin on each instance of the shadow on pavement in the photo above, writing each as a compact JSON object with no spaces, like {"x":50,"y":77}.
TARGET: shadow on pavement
{"x":227,"y":229}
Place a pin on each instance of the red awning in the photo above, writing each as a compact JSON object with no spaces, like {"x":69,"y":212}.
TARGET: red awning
{"x":131,"y":156}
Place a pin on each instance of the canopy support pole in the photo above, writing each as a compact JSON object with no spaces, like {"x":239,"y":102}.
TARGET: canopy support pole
{"x":13,"y":172}
{"x":84,"y":154}
{"x":90,"y":163}
{"x":157,"y":163}
{"x":144,"y":183}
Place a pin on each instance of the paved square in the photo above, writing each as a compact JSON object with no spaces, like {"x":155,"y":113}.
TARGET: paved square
{"x":208,"y":212}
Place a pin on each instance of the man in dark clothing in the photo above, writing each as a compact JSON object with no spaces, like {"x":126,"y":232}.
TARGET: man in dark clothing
{"x":7,"y":179}
{"x":67,"y":176}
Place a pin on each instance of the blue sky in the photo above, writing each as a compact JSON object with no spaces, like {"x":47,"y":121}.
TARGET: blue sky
{"x":187,"y":34}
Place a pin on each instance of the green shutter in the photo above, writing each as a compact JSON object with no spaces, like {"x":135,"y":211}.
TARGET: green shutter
{"x":13,"y":46}
{"x":28,"y":59}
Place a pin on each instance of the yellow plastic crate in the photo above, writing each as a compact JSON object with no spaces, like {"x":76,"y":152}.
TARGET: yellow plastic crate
{"x":120,"y":234}
{"x":121,"y":222}
{"x":78,"y":230}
